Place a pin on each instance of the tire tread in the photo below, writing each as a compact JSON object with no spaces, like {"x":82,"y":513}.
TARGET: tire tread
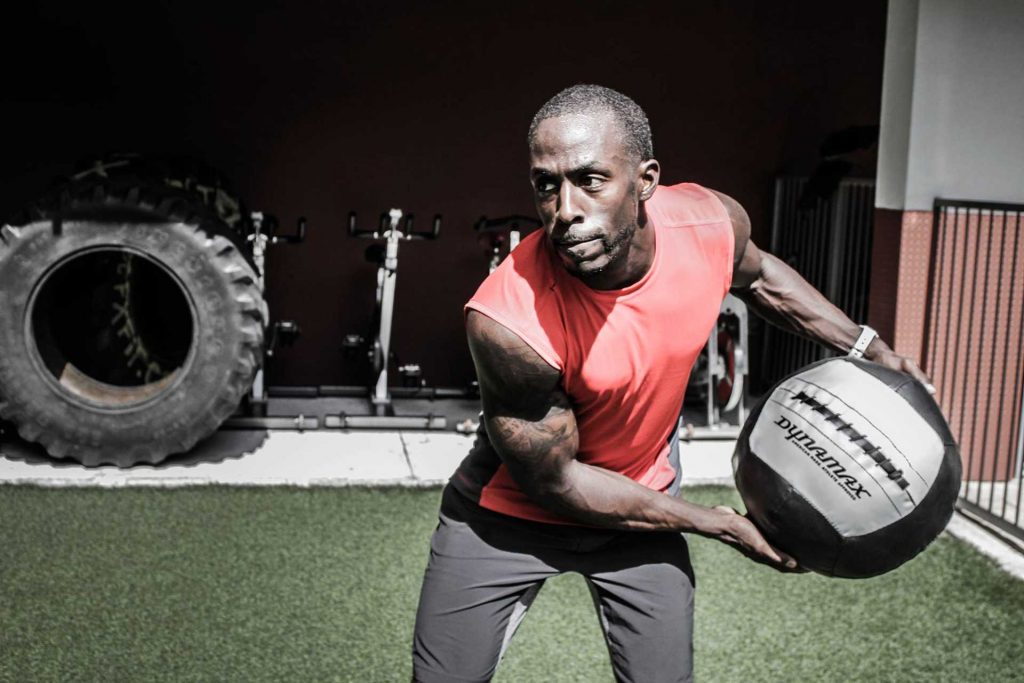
{"x":214,"y":238}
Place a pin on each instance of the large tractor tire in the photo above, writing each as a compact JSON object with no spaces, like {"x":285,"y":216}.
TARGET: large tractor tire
{"x":131,"y":316}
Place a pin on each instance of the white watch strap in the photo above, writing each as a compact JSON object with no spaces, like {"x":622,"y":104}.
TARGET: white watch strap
{"x":867,"y":335}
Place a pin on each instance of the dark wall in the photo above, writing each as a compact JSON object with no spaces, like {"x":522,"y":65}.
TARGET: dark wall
{"x":321,"y":108}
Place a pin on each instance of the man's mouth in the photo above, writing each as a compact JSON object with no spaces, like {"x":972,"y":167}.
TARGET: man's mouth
{"x":565,"y":244}
{"x":582,"y":249}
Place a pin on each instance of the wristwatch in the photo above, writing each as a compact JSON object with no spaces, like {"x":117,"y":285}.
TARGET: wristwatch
{"x":867,"y":335}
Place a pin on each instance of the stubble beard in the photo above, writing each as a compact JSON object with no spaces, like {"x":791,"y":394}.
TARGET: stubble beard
{"x":614,"y":251}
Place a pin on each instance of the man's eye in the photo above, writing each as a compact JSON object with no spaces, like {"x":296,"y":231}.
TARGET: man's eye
{"x":545,"y":187}
{"x":591,"y":182}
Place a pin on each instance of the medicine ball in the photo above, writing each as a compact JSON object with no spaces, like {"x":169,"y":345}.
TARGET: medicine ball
{"x":849,"y":467}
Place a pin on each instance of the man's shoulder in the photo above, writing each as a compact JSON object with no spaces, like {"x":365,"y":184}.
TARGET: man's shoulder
{"x":686,"y":204}
{"x":521,"y":295}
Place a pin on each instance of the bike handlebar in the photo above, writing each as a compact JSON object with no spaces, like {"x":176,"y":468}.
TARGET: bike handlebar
{"x":405,"y":231}
{"x":266,"y":223}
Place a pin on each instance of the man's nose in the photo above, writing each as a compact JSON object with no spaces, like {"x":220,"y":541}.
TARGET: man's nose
{"x":569,"y":210}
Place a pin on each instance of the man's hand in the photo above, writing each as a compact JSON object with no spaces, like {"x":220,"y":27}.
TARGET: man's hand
{"x":879,"y":352}
{"x":740,"y":532}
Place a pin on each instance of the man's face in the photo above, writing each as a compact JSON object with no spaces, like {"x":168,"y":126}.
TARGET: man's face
{"x":585,"y":187}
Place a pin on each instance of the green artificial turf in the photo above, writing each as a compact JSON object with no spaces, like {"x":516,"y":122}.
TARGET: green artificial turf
{"x":246,"y":584}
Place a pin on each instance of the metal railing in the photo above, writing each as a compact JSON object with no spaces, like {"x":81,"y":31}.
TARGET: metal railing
{"x":827,"y":241}
{"x":974,"y":323}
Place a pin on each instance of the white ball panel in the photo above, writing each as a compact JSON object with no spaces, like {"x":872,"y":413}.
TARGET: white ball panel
{"x":830,"y":471}
{"x":877,"y":411}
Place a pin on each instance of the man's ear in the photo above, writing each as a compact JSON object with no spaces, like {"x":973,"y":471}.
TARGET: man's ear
{"x":647,"y":178}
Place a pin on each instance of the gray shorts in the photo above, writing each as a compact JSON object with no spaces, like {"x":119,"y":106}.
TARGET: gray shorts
{"x":486,"y":568}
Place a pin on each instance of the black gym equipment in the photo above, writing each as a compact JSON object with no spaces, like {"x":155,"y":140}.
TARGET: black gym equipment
{"x":142,"y":284}
{"x":131,"y":317}
{"x":394,"y":228}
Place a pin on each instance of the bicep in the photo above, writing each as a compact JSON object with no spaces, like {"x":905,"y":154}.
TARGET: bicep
{"x":527,"y":415}
{"x":747,"y":261}
{"x":748,"y":267}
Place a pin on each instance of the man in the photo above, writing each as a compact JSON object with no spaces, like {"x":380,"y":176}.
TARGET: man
{"x":583,"y":341}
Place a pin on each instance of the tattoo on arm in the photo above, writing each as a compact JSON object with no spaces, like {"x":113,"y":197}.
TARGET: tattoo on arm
{"x":528,"y":416}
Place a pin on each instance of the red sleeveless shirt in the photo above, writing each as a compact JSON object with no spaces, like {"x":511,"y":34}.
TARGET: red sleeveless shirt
{"x":625,"y":355}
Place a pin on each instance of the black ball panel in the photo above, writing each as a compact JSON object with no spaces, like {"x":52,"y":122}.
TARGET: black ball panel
{"x":892,"y":545}
{"x":924,"y":403}
{"x":788,"y":521}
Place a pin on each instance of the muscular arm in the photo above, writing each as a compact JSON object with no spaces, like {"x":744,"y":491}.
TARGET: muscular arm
{"x":530,"y":423}
{"x":781,"y":296}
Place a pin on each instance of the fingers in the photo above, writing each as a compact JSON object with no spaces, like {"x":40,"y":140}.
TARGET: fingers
{"x":760,"y":546}
{"x":910,"y":367}
{"x":748,"y":540}
{"x":907,"y":365}
{"x":778,"y":560}
{"x":789,"y":563}
{"x":774,"y":558}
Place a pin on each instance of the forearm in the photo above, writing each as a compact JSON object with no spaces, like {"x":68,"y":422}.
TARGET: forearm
{"x":541,"y":457}
{"x":600,"y":497}
{"x":784,"y":298}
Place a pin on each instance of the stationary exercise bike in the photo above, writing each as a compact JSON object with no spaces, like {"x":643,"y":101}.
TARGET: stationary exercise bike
{"x":252,"y":412}
{"x":394,"y":228}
